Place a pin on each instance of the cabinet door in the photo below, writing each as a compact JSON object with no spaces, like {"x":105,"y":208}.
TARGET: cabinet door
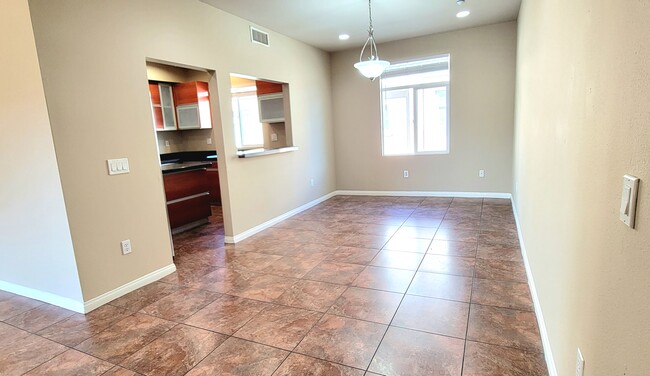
{"x":213,"y":184}
{"x":186,"y":93}
{"x":271,"y":108}
{"x":167,"y":104}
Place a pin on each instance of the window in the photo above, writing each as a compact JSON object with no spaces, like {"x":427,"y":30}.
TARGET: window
{"x":248,"y":129}
{"x":415,"y":107}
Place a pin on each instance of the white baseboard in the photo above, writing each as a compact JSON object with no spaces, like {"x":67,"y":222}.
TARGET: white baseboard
{"x":261,"y":227}
{"x":424,"y":194}
{"x":546,"y":343}
{"x":127,"y":288}
{"x":47,"y":297}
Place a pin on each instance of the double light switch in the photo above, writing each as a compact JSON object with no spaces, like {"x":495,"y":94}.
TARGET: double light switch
{"x":628,"y":199}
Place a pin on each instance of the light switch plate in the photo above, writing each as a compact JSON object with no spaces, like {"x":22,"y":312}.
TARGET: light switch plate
{"x":118,"y":166}
{"x":628,"y":199}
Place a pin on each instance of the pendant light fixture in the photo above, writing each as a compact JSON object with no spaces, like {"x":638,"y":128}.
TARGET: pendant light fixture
{"x":373,"y":67}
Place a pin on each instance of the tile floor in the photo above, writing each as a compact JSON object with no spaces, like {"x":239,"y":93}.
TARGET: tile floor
{"x":353,"y":286}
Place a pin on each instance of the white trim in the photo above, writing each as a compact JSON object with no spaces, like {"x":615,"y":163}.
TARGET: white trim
{"x":43,"y":296}
{"x":546,"y":343}
{"x":425,"y":194}
{"x":261,"y":227}
{"x":127,"y":288}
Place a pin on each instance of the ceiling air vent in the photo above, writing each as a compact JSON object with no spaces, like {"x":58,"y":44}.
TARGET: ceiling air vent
{"x":259,"y":37}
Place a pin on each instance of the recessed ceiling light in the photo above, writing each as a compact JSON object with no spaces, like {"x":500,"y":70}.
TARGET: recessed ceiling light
{"x":344,"y":36}
{"x":462,"y":14}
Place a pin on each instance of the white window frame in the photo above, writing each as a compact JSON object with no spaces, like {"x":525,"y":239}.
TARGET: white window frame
{"x":236,"y":96}
{"x":414,"y":118}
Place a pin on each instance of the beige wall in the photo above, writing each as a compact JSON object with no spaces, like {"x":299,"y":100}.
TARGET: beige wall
{"x":35,"y":246}
{"x":79,"y":42}
{"x":582,"y":122}
{"x":481,"y":116}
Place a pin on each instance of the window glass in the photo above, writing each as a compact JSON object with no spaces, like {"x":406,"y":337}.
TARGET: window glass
{"x":415,"y":107}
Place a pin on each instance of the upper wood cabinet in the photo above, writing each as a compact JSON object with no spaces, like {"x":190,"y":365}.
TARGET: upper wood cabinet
{"x":266,"y":87}
{"x":193,"y":105}
{"x":162,"y":106}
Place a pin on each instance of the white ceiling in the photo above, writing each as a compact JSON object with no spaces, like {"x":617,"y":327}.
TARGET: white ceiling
{"x":319,"y":22}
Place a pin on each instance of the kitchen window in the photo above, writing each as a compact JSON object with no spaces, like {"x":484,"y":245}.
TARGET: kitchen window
{"x":415,"y":107}
{"x":248,"y":131}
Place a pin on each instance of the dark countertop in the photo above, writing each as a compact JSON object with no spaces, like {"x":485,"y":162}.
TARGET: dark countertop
{"x":186,"y":161}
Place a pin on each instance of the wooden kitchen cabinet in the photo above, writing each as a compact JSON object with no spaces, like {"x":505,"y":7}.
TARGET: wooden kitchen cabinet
{"x":213,"y":184}
{"x":162,"y":106}
{"x":188,"y":199}
{"x":193,"y":105}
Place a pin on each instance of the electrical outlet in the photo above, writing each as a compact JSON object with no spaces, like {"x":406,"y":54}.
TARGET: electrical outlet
{"x":481,"y":173}
{"x":167,"y":143}
{"x":209,"y":141}
{"x":580,"y":364}
{"x":126,"y":246}
{"x":406,"y":174}
{"x":274,"y":137}
{"x":311,"y":181}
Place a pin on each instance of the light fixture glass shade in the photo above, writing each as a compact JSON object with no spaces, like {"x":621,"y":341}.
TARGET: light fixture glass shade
{"x":372,"y":68}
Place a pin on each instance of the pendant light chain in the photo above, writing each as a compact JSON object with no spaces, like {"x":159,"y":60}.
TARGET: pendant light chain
{"x":373,"y":67}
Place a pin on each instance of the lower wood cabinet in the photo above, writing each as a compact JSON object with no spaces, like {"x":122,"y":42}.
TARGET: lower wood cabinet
{"x":213,"y":184}
{"x":188,"y":198}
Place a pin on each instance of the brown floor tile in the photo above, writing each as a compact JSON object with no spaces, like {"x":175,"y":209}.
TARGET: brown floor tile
{"x":504,"y":236}
{"x":459,"y":235}
{"x":442,"y":286}
{"x":279,"y":326}
{"x":263,"y":287}
{"x":424,"y":222}
{"x":515,"y":295}
{"x":220,"y":280}
{"x":237,"y":357}
{"x":288,"y":266}
{"x":365,"y":241}
{"x":252,"y":261}
{"x":343,"y":340}
{"x":499,"y":252}
{"x":408,"y":245}
{"x":366,"y":304}
{"x":226,"y":314}
{"x":408,"y":352}
{"x":119,"y":371}
{"x":335,"y":272}
{"x":377,"y":229}
{"x":461,"y":223}
{"x":180,"y":305}
{"x":142,"y":297}
{"x":124,"y":338}
{"x":451,"y":248}
{"x":300,"y":365}
{"x":39,"y":318}
{"x":463,"y":266}
{"x":21,"y":351}
{"x":175,"y":352}
{"x":500,"y":270}
{"x":78,"y":327}
{"x":6,"y":295}
{"x":312,"y":295}
{"x":487,"y":360}
{"x":353,"y":255}
{"x":387,"y":279}
{"x":17,"y":305}
{"x":72,"y":362}
{"x":497,"y":202}
{"x":436,"y":316}
{"x":415,"y":232}
{"x":504,"y":327}
{"x":398,"y":260}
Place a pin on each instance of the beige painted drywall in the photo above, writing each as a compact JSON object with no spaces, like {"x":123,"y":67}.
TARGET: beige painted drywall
{"x":481,"y":116}
{"x":81,"y":42}
{"x":35,"y":244}
{"x":582,"y":122}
